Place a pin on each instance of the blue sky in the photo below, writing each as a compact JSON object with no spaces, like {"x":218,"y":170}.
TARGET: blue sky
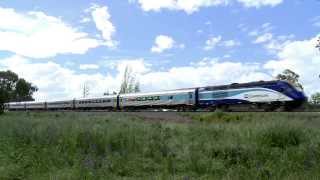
{"x":169,"y":44}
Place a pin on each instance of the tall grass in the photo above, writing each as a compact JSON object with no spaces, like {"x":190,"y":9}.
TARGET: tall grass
{"x":117,"y":146}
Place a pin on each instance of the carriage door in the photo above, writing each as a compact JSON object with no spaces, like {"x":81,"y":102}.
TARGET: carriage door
{"x":191,"y":98}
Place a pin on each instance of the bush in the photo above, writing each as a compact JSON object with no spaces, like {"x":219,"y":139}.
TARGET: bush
{"x":219,"y":117}
{"x":282,"y":137}
{"x":1,"y":105}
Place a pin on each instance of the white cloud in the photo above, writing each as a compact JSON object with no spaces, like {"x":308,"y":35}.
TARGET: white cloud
{"x":316,"y":21}
{"x":162,"y":43}
{"x":263,"y":38}
{"x":88,"y":66}
{"x":37,"y":35}
{"x":260,"y":3}
{"x":263,"y":29}
{"x":101,"y":18}
{"x":243,"y":27}
{"x":231,"y":43}
{"x":191,"y":6}
{"x":213,"y":42}
{"x":204,"y":73}
{"x":208,"y":23}
{"x":57,"y":82}
{"x":138,"y":66}
{"x":181,"y":46}
{"x":271,"y":42}
{"x":199,"y":31}
{"x":85,"y":20}
{"x":278,"y":43}
{"x":303,"y":58}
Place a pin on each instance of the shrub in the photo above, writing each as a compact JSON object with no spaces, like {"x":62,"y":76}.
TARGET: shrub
{"x":281,"y":137}
{"x":219,"y":117}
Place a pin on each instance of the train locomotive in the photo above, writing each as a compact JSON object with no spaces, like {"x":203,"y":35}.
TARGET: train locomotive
{"x":260,"y":95}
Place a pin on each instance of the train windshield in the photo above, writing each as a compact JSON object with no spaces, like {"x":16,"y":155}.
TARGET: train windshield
{"x":297,"y":86}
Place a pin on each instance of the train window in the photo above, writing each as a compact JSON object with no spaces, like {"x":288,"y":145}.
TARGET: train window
{"x":190,"y":95}
{"x":170,"y":97}
{"x":219,"y":95}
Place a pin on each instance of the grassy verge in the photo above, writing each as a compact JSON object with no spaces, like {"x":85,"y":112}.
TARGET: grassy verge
{"x":116,"y":146}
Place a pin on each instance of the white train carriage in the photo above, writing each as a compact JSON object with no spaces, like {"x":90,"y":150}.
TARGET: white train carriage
{"x":35,"y":105}
{"x":55,"y":105}
{"x":165,"y":99}
{"x":108,"y":102}
{"x":16,"y":106}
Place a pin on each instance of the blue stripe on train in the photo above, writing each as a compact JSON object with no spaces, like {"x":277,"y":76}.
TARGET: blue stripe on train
{"x":286,"y":89}
{"x":222,"y":94}
{"x":207,"y":103}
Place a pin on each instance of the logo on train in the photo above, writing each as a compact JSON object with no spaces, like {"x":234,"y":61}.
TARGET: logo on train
{"x":145,"y":98}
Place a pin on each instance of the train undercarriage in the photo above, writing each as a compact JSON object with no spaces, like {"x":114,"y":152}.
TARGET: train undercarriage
{"x":260,"y":107}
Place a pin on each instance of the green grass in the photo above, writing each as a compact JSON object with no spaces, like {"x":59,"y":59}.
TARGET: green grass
{"x":117,"y":146}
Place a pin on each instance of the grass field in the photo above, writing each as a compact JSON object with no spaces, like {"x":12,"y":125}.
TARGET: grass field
{"x":122,"y":146}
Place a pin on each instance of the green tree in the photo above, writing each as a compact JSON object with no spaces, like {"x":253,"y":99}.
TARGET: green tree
{"x":137,"y":87}
{"x":129,"y":83}
{"x":14,"y":89}
{"x":290,"y":76}
{"x":315,"y":98}
{"x":3,"y":95}
{"x":24,"y":91}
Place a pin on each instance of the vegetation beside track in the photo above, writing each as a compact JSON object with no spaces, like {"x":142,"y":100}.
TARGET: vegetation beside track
{"x":217,"y":145}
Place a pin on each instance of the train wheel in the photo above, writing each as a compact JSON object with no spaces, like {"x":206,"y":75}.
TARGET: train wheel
{"x":223,"y":108}
{"x":275,"y":106}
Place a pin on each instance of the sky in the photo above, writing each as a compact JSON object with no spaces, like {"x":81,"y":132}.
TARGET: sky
{"x":169,"y":44}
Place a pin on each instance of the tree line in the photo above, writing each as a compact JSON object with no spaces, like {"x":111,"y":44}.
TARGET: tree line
{"x":14,"y":89}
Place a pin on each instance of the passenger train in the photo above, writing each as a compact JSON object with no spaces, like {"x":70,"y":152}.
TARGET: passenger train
{"x":261,"y":95}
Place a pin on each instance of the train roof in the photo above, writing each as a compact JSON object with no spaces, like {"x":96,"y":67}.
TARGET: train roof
{"x":101,"y":97}
{"x":241,"y":85}
{"x":158,"y":93}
